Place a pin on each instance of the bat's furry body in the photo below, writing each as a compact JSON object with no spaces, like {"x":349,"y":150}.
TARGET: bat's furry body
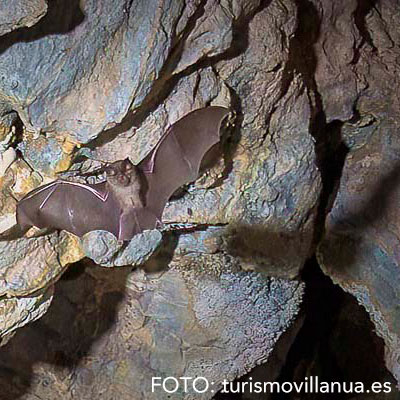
{"x":133,"y":197}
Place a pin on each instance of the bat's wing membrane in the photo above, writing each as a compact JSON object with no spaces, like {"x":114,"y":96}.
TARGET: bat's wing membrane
{"x":74,"y":207}
{"x":176,"y":159}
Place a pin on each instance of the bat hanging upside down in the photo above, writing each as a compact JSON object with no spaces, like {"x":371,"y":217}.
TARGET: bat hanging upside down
{"x":133,"y":197}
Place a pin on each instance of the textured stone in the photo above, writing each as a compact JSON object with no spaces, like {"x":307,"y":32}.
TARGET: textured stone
{"x":212,"y":33}
{"x":115,"y":75}
{"x":263,"y":195}
{"x":124,"y":84}
{"x":103,"y":248}
{"x":112,"y":53}
{"x":337,"y":40}
{"x":18,"y":311}
{"x":28,"y":265}
{"x":360,"y":247}
{"x":192,"y":92}
{"x":127,"y":47}
{"x":168,"y":324}
{"x":6,"y":159}
{"x":46,"y":155}
{"x":273,"y":186}
{"x":20,"y":13}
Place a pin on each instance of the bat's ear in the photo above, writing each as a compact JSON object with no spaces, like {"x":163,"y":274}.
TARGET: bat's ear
{"x":128,"y":163}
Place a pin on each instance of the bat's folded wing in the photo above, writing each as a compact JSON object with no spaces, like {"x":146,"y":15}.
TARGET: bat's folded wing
{"x":176,"y":159}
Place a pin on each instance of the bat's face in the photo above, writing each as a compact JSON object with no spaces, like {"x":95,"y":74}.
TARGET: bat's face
{"x":122,"y":173}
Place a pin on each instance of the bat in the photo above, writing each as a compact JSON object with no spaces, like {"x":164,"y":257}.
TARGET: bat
{"x":133,"y":197}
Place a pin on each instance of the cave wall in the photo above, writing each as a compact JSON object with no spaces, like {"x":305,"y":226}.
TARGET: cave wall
{"x":309,"y":165}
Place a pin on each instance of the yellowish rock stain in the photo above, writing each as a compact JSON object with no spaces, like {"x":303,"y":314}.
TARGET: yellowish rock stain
{"x":71,"y":250}
{"x":68,"y":145}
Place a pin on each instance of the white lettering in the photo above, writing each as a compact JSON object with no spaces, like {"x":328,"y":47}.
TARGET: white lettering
{"x":206,"y":384}
{"x":174,"y":380}
{"x":153,"y":382}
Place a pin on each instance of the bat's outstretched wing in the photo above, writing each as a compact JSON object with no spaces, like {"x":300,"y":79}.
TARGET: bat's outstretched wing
{"x":81,"y":208}
{"x":176,"y":159}
{"x":74,"y":207}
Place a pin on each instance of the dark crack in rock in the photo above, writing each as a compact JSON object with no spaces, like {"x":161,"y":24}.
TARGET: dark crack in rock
{"x":360,"y":250}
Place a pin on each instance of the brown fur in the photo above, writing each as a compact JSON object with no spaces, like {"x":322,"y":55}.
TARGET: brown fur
{"x":126,"y":182}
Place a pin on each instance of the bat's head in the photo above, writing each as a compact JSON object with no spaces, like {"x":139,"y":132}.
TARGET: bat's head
{"x":122,"y":173}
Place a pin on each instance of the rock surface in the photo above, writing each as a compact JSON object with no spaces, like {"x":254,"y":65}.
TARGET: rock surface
{"x":171,"y":324}
{"x":362,"y":231}
{"x":313,"y":88}
{"x":20,"y":13}
{"x":115,"y":93}
{"x":103,"y":248}
{"x":18,"y":311}
{"x":28,"y":265}
{"x":92,"y":60}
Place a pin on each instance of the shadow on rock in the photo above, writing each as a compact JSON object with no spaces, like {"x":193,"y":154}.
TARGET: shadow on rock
{"x":62,"y":16}
{"x":360,"y":250}
{"x":83,"y":312}
{"x":348,"y":231}
{"x":280,"y":253}
{"x":160,"y":260}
